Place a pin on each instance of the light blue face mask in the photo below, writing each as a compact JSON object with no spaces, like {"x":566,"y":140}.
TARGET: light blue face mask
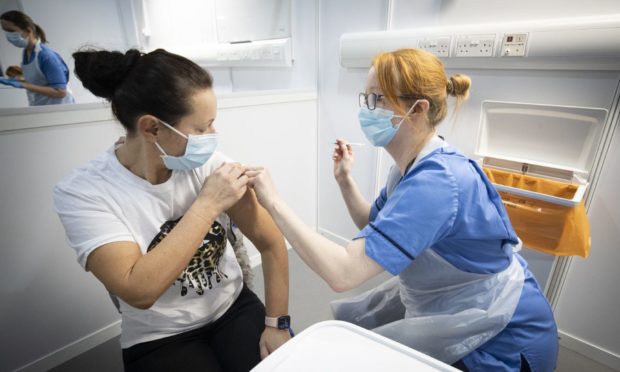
{"x":17,"y":39}
{"x":197,"y":151}
{"x":377,"y":124}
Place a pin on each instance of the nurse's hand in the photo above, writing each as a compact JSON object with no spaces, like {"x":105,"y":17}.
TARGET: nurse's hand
{"x":224,"y":187}
{"x":271,"y":339}
{"x":11,"y":82}
{"x":260,"y":181}
{"x":343,"y":160}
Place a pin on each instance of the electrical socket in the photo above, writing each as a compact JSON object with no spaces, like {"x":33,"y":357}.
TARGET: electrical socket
{"x":439,"y":46}
{"x":514,"y":45}
{"x":475,"y":45}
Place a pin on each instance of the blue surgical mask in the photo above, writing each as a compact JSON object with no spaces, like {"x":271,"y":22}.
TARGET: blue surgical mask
{"x":197,"y":151}
{"x":17,"y":39}
{"x":377,"y":124}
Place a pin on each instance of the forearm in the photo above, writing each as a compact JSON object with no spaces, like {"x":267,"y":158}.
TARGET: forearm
{"x":358,"y":207}
{"x":328,"y":259}
{"x":276,"y":276}
{"x":256,"y":224}
{"x":154,"y":272}
{"x":48,"y":91}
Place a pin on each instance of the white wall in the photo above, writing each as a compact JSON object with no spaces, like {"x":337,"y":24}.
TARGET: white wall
{"x":51,"y":308}
{"x":587,"y":310}
{"x":48,"y":301}
{"x":338,"y":90}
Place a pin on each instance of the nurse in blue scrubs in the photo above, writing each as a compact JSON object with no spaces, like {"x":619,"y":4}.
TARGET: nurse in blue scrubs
{"x":45,"y":72}
{"x":461,"y":292}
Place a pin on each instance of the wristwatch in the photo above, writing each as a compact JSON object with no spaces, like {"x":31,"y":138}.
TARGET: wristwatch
{"x":281,"y":322}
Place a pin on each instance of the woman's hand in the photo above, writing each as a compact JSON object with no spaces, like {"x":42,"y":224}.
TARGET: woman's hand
{"x":343,"y":160}
{"x":271,"y":339}
{"x":260,"y":181}
{"x":224,"y":187}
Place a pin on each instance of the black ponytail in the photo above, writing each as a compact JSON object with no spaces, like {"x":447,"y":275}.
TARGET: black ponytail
{"x":102,"y":72}
{"x":158,"y":83}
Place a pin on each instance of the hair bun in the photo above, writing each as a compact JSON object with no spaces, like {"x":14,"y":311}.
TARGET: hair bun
{"x":458,"y":85}
{"x":102,"y":72}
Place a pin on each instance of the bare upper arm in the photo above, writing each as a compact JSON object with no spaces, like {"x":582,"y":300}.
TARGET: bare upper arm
{"x":112,"y":263}
{"x":358,"y":267}
{"x":255,"y":222}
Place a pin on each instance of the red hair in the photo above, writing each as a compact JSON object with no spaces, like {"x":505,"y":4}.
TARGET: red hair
{"x":418,"y":74}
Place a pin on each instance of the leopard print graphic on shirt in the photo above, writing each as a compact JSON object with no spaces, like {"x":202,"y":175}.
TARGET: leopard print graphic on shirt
{"x":203,"y":268}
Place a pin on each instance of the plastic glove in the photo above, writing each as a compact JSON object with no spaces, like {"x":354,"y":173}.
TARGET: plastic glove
{"x":11,"y":82}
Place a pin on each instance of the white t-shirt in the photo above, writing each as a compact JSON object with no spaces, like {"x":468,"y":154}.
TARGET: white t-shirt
{"x":103,"y":202}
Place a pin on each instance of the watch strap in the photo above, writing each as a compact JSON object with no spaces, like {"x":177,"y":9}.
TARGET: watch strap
{"x":280,"y":322}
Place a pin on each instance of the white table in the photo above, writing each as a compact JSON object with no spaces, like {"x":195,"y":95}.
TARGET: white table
{"x":340,"y":346}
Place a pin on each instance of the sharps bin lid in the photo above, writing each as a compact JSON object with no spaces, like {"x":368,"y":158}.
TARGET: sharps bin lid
{"x":335,"y":345}
{"x":560,"y":137}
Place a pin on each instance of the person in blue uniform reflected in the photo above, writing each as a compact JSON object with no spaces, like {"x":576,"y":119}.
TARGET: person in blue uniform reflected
{"x":46,"y":74}
{"x":461,"y":292}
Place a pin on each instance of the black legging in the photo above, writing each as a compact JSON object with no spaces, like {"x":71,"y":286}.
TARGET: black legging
{"x":228,"y":344}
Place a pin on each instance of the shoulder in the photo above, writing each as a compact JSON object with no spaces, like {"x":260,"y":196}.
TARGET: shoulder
{"x":82,"y":183}
{"x":446,"y":162}
{"x":49,"y":56}
{"x":46,"y":53}
{"x":215,"y":161}
{"x":218,"y":158}
{"x":438,"y":181}
{"x":439,"y":166}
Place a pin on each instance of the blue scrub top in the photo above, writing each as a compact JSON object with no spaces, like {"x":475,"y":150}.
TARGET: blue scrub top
{"x":446,"y":202}
{"x":52,"y":66}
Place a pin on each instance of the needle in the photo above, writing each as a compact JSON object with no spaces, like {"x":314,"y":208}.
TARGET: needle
{"x":353,"y":143}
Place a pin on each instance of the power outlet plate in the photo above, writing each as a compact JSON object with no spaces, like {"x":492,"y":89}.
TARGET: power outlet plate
{"x":475,"y":45}
{"x":439,"y":46}
{"x":514,"y":45}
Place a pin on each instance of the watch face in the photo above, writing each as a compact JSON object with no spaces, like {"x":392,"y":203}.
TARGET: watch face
{"x":284,"y":322}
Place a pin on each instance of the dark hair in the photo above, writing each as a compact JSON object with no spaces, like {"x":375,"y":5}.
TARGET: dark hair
{"x":158,"y":83}
{"x":24,"y":22}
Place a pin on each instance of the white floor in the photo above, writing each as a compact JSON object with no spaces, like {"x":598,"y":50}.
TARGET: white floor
{"x":570,"y":361}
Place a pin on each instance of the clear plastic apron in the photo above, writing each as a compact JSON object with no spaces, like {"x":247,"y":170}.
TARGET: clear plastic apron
{"x":436,"y":308}
{"x":34,"y":75}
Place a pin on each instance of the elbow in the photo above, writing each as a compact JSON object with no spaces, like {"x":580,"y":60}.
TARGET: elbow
{"x":60,"y":93}
{"x":340,"y":285}
{"x":143,"y":305}
{"x":343,"y":277}
{"x":337,"y":288}
{"x":141,"y":301}
{"x":271,"y":246}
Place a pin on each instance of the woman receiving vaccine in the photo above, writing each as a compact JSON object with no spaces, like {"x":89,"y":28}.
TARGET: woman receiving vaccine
{"x":149,"y":219}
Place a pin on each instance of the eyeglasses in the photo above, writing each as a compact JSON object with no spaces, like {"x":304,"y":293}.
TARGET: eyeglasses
{"x":370,"y":99}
